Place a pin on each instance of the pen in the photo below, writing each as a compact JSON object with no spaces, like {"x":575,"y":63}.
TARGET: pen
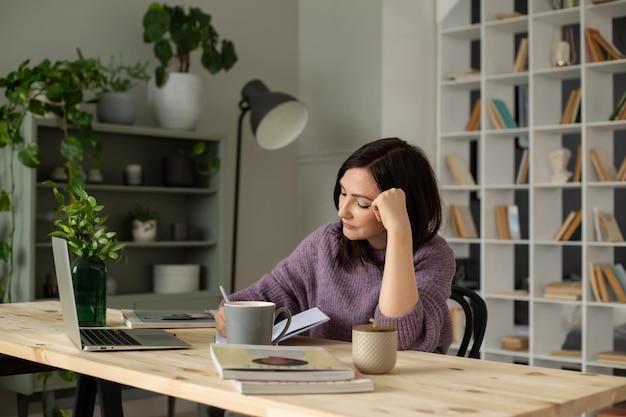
{"x":224,"y":295}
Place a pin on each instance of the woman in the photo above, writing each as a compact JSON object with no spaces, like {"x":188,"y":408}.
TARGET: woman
{"x":382,"y":260}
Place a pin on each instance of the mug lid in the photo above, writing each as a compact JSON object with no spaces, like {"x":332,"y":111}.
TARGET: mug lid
{"x":381,"y":328}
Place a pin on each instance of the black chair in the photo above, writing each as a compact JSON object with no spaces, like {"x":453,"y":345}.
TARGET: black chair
{"x":475,"y":311}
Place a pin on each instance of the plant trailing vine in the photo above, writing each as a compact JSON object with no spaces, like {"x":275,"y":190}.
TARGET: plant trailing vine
{"x":49,"y":87}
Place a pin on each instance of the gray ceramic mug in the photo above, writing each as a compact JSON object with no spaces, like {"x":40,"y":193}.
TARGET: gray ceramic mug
{"x":251,"y":322}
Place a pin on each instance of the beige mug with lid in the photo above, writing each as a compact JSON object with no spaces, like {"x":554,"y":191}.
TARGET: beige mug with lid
{"x":374,"y":348}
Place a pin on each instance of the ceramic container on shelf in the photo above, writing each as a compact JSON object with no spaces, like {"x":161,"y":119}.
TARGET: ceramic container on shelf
{"x":176,"y":278}
{"x":176,"y":105}
{"x":119,"y":107}
{"x":144,"y":231}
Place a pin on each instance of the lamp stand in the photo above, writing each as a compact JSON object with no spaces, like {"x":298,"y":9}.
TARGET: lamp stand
{"x":244,"y":107}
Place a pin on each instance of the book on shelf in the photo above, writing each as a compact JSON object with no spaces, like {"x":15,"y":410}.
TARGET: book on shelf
{"x":473,"y":123}
{"x":567,"y":353}
{"x":599,"y":48}
{"x":462,"y":222}
{"x":609,"y":227}
{"x":602,"y":164}
{"x":167,"y":319}
{"x":564,"y":290}
{"x":505,"y":116}
{"x":611,"y":52}
{"x":573,"y":226}
{"x":614,"y":283}
{"x":502,"y":222}
{"x":458,"y":323}
{"x":514,"y":343}
{"x":620,"y":274}
{"x":593,"y":281}
{"x":494,"y":115}
{"x":509,"y":15}
{"x":360,"y":383}
{"x":463,"y":75}
{"x":619,"y":108}
{"x":614,"y":357}
{"x":621,"y":172}
{"x":521,"y":57}
{"x":601,"y":1}
{"x":572,"y":107}
{"x":513,"y":221}
{"x":569,"y":225}
{"x":559,"y":296}
{"x":565,"y":287}
{"x":278,"y":363}
{"x":459,"y":169}
{"x":602,"y":284}
{"x":513,"y":293}
{"x":522,"y":171}
{"x":594,"y":52}
{"x":579,"y":165}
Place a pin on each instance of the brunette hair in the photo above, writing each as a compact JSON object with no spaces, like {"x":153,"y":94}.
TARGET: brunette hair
{"x":394,"y":163}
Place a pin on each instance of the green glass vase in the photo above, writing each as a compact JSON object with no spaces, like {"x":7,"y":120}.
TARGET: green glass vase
{"x":89,"y":276}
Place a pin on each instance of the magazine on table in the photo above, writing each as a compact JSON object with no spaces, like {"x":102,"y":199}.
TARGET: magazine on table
{"x":359,"y":383}
{"x":278,"y":363}
{"x":167,"y":319}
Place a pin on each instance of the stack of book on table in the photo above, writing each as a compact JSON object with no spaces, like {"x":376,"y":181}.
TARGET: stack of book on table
{"x":260,"y":369}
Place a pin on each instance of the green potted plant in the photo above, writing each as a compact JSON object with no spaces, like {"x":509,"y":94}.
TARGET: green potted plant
{"x":82,"y":226}
{"x":178,"y":169}
{"x":144,"y":223}
{"x":54,"y":88}
{"x":176,"y":32}
{"x":116,"y":103}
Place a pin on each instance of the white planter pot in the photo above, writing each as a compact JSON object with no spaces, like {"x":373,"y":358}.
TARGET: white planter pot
{"x":176,"y":278}
{"x":144,"y":231}
{"x":176,"y":105}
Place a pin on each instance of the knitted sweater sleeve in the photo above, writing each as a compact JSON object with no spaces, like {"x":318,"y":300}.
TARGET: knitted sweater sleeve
{"x":427,"y":327}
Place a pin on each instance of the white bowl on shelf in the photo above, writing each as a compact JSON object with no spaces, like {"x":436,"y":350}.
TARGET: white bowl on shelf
{"x":176,"y":278}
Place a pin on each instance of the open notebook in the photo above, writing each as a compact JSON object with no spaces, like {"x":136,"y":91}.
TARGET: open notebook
{"x":101,"y":338}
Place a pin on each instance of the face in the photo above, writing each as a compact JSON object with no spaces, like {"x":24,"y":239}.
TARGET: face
{"x":358,"y":190}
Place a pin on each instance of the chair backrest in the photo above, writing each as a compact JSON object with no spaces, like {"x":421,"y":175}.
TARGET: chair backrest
{"x":475,"y":311}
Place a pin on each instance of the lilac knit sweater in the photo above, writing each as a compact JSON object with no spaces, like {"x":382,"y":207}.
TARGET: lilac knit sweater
{"x":309,"y":278}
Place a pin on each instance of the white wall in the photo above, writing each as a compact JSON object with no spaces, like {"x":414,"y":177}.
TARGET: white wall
{"x":369,"y":73}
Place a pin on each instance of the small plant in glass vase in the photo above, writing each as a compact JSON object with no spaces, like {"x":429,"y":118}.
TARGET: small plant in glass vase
{"x":144,"y":223}
{"x":82,"y":226}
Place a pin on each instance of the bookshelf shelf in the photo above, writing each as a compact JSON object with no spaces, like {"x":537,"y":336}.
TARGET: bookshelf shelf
{"x":495,"y":155}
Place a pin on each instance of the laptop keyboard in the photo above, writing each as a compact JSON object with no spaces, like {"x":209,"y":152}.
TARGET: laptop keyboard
{"x":111,"y":337}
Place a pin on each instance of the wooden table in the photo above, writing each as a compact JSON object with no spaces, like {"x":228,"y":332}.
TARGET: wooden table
{"x":421,"y":384}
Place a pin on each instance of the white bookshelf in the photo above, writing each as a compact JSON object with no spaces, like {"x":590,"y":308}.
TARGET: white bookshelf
{"x":496,"y":160}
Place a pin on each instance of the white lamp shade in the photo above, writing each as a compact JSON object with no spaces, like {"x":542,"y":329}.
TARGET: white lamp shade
{"x":277,"y":119}
{"x":282,"y":125}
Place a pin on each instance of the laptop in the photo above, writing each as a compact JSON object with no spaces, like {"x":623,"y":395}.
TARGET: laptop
{"x":101,"y":338}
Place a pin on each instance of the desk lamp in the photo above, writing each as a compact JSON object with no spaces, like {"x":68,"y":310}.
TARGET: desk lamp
{"x":277,"y":119}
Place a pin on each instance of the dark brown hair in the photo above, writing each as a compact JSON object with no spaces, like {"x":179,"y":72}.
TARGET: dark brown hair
{"x":394,"y":163}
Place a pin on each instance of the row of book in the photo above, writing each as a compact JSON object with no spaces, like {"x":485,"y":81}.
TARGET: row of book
{"x":606,"y":226}
{"x":608,"y":282}
{"x":564,"y":290}
{"x":507,"y":222}
{"x":258,"y":369}
{"x":598,"y":48}
{"x":462,"y":222}
{"x":599,"y":158}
